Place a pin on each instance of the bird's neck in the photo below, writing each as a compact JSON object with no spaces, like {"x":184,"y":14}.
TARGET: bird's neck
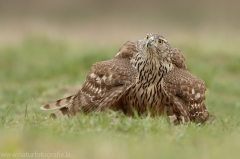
{"x":151,"y":69}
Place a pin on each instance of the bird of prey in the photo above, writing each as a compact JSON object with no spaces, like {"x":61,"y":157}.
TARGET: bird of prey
{"x":145,"y":76}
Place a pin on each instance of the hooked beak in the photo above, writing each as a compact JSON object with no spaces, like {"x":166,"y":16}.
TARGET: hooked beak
{"x":150,"y":41}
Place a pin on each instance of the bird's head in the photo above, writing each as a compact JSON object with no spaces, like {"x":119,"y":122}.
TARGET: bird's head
{"x":155,"y":45}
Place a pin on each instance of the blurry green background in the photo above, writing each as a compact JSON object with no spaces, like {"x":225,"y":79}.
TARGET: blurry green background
{"x":47,"y":48}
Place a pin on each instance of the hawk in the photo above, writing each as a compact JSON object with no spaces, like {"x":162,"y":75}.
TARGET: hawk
{"x":146,"y":75}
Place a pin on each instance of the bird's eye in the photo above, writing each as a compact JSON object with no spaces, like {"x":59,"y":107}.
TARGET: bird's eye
{"x":147,"y":37}
{"x":160,"y":41}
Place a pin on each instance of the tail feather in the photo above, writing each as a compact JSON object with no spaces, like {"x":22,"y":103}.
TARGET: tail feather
{"x":64,"y":102}
{"x":59,"y":113}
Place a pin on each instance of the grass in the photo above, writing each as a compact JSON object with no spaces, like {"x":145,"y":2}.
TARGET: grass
{"x":39,"y":70}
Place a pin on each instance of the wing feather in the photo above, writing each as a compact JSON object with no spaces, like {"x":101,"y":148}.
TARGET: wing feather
{"x":106,"y":81}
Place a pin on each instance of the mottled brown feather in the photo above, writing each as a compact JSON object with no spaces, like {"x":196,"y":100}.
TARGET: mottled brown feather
{"x":104,"y":85}
{"x":189,"y":90}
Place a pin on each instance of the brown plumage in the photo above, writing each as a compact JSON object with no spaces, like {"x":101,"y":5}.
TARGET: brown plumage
{"x":178,"y":59}
{"x":105,"y":83}
{"x":186,"y":94}
{"x":145,"y":75}
{"x":182,"y":93}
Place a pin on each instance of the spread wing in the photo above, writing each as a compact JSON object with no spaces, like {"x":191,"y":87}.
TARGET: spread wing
{"x":104,"y":84}
{"x":185,"y":85}
{"x":188,"y":90}
{"x":106,"y":81}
